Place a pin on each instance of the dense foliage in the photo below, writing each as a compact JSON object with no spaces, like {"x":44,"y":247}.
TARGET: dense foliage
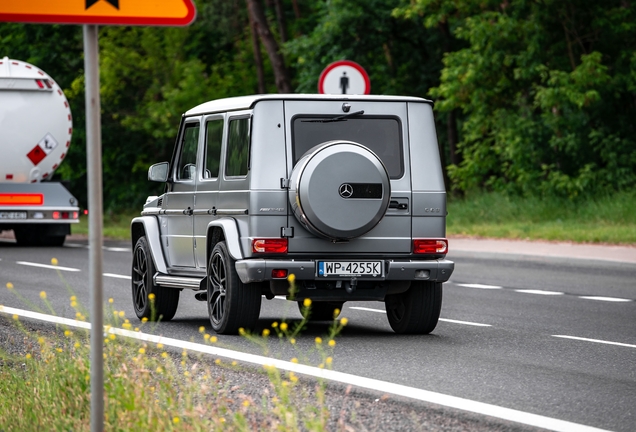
{"x":533,"y":97}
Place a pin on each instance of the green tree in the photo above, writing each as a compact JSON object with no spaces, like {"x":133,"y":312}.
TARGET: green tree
{"x":546,"y":90}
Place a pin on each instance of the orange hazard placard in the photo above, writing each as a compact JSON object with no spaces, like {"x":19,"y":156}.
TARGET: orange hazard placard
{"x":104,"y":12}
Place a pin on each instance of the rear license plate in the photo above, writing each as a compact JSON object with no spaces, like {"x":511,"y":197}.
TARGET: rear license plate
{"x":13,"y":215}
{"x":350,"y":268}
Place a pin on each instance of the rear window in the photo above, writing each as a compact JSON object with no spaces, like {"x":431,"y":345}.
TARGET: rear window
{"x":382,"y":135}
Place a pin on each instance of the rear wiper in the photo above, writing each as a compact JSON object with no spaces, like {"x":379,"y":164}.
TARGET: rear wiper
{"x":335,"y":119}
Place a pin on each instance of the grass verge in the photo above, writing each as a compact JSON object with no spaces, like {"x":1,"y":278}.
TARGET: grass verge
{"x":606,"y":219}
{"x":148,"y":387}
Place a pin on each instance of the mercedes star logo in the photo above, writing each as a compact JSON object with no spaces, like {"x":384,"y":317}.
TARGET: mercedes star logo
{"x":346,"y":190}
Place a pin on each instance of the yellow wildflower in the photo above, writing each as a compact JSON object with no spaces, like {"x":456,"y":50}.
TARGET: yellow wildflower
{"x":344,"y":321}
{"x":15,"y":317}
{"x":307,"y":302}
{"x":246,"y":403}
{"x":318,"y":340}
{"x":43,"y":295}
{"x":265,"y":332}
{"x":275,"y":324}
{"x":206,"y":337}
{"x":201,"y":329}
{"x":175,"y":420}
{"x":217,"y":361}
{"x":142,"y":351}
{"x":294,"y":360}
{"x":144,"y":319}
{"x":73,"y":304}
{"x":9,"y":285}
{"x":151,"y":296}
{"x":332,"y":343}
{"x":283,"y":326}
{"x":28,"y":356}
{"x":54,"y":261}
{"x":291,"y":278}
{"x":159,"y":345}
{"x":213,"y":339}
{"x":329,"y":360}
{"x":110,"y":300}
{"x":67,"y":333}
{"x":292,"y":341}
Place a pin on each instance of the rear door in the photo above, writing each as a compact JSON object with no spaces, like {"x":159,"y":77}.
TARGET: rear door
{"x":383,"y":128}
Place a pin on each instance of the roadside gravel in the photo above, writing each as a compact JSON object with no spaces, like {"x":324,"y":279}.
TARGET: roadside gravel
{"x":351,"y":409}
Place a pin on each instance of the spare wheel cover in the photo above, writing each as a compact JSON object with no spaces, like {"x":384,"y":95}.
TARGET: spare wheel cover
{"x":340,"y":190}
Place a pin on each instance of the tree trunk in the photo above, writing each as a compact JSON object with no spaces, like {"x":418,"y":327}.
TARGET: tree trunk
{"x":258,"y":58}
{"x":281,"y":76}
{"x":280,"y":16}
{"x":296,"y":9}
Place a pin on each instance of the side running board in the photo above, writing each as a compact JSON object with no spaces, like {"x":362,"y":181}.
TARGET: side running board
{"x":193,"y":283}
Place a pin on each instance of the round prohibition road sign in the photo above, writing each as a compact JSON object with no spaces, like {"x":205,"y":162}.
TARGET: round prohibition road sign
{"x":344,"y":77}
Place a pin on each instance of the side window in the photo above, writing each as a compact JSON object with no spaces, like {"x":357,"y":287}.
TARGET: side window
{"x":213,"y":139}
{"x":238,"y":147}
{"x":188,"y":156}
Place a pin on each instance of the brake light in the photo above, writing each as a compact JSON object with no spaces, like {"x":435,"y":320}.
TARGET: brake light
{"x":21,"y":199}
{"x":270,"y":245}
{"x":56,"y":215}
{"x":430,"y":246}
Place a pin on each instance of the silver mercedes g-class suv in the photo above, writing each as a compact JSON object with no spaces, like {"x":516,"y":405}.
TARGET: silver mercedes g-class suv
{"x":345,"y":193}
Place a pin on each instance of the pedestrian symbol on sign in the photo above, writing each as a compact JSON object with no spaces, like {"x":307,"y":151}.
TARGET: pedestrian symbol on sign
{"x":344,"y":83}
{"x":344,"y":77}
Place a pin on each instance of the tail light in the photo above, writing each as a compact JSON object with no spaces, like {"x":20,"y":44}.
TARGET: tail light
{"x":430,"y":246}
{"x":270,"y":245}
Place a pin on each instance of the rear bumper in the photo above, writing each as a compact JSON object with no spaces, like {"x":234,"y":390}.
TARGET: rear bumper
{"x":259,"y":270}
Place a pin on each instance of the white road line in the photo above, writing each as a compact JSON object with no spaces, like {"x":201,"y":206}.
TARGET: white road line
{"x":117,"y":276}
{"x":607,"y":299}
{"x":110,"y":249}
{"x":48,"y":266}
{"x":465,"y":322}
{"x":441,"y":319}
{"x":74,"y":245}
{"x":479,"y":286}
{"x":595,"y":340}
{"x":368,"y":383}
{"x":117,"y":249}
{"x":367,"y":309}
{"x":540,"y":292}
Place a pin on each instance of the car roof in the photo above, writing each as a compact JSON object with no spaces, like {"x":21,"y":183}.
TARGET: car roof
{"x":247,"y":102}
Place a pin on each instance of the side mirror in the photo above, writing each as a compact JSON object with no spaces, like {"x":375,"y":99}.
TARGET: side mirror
{"x":158,"y":172}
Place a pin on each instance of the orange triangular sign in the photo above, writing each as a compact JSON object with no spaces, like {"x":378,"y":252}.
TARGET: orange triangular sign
{"x":100,"y":12}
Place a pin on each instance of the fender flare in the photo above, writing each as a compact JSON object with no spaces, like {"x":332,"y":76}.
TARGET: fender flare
{"x":231,"y":234}
{"x":149,"y":227}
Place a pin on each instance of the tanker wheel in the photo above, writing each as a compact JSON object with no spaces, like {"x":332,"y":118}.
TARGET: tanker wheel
{"x":166,"y":300}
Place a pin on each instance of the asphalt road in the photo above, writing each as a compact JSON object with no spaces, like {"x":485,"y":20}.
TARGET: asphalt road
{"x":550,"y":337}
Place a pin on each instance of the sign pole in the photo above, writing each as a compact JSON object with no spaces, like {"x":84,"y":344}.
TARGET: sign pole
{"x":95,"y":221}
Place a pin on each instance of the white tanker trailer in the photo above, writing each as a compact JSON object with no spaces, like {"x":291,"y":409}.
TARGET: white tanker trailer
{"x":35,"y":134}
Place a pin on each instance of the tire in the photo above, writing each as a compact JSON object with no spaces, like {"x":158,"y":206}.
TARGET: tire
{"x":231,"y":303}
{"x":415,"y":311}
{"x":321,"y":311}
{"x":143,"y":270}
{"x":40,"y":235}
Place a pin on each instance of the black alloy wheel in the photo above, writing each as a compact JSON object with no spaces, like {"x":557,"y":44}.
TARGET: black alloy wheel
{"x":231,"y":303}
{"x":166,"y":300}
